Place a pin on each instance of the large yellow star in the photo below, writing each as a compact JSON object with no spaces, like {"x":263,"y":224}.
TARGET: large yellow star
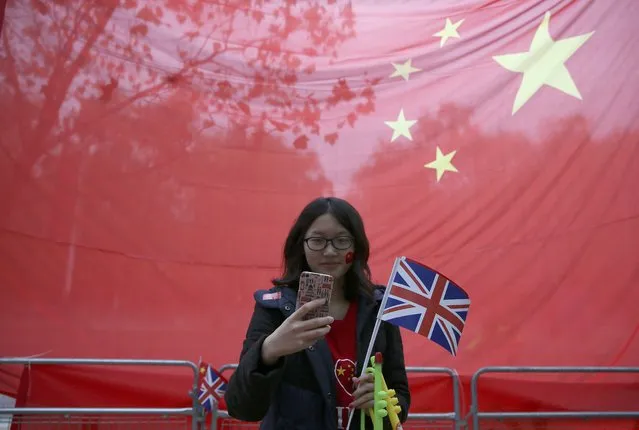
{"x":450,"y":30}
{"x":404,"y":70}
{"x":442,"y":163}
{"x":401,"y":127}
{"x":543,"y":64}
{"x":340,"y":371}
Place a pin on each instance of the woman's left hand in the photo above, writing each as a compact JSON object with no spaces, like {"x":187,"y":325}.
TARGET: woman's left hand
{"x":363,"y":395}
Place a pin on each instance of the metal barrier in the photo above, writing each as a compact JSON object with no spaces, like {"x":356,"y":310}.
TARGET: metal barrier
{"x":111,"y":418}
{"x":194,"y":417}
{"x":415,"y":421}
{"x":537,"y":415}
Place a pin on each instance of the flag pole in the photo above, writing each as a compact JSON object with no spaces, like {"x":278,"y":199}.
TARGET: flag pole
{"x":378,"y":322}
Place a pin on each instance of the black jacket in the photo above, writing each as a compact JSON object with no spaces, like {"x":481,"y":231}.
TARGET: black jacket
{"x":299,"y":391}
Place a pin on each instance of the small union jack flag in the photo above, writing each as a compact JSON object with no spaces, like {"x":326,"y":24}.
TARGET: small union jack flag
{"x":212,"y":386}
{"x":422,"y":300}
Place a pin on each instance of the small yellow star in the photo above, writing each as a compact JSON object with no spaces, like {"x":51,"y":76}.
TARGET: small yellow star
{"x":401,"y":127}
{"x":404,"y":70}
{"x":543,"y":64}
{"x":340,"y":371}
{"x":450,"y":30}
{"x":442,"y":163}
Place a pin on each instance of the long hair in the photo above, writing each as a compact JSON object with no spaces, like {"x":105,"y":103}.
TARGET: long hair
{"x":358,"y":278}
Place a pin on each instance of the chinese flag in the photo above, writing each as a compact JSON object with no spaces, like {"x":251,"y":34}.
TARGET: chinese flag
{"x":154,"y":154}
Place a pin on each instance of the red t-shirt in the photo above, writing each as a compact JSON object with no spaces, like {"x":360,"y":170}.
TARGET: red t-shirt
{"x":342,"y":343}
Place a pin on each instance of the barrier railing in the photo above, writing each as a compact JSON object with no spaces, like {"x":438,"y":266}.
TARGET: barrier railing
{"x":194,"y":418}
{"x":112,"y":418}
{"x":445,"y":420}
{"x":476,"y":415}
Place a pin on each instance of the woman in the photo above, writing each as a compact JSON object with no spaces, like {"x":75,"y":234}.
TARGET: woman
{"x":296,"y":374}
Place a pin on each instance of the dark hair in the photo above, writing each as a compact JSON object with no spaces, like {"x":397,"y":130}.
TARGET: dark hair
{"x":358,"y":277}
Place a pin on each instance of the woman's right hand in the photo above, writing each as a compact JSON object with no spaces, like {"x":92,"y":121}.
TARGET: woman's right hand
{"x":295,"y":334}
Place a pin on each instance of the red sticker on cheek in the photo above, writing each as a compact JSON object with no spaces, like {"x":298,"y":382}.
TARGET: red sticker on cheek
{"x":349,"y":257}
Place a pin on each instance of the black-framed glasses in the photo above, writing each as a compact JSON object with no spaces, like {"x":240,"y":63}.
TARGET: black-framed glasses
{"x":319,"y":243}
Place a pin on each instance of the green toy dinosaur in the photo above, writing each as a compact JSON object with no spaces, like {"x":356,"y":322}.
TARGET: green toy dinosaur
{"x":385,"y":400}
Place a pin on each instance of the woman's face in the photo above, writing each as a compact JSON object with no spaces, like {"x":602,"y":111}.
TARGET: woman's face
{"x":328,"y":247}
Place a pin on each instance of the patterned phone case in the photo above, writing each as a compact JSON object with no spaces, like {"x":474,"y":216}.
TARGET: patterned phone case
{"x":314,"y":286}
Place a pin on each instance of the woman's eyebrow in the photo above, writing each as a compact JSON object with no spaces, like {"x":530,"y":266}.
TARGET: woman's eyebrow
{"x":312,"y":232}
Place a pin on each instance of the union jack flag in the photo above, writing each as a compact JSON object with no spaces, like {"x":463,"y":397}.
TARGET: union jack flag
{"x":212,"y":386}
{"x":424,"y":301}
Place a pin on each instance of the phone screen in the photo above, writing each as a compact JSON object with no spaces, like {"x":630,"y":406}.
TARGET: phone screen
{"x":314,"y":286}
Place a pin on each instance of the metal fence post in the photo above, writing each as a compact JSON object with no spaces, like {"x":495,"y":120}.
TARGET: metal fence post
{"x":214,"y":415}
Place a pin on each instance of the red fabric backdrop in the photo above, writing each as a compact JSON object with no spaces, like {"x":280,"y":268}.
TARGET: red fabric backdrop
{"x":154,"y":154}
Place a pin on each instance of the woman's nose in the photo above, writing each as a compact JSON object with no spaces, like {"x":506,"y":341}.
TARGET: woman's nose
{"x":329,"y":250}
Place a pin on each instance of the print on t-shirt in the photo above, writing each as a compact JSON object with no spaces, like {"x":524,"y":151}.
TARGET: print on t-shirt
{"x":342,"y":342}
{"x":344,"y":373}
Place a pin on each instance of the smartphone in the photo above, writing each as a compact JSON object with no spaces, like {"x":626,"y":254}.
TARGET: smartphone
{"x":314,"y":286}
